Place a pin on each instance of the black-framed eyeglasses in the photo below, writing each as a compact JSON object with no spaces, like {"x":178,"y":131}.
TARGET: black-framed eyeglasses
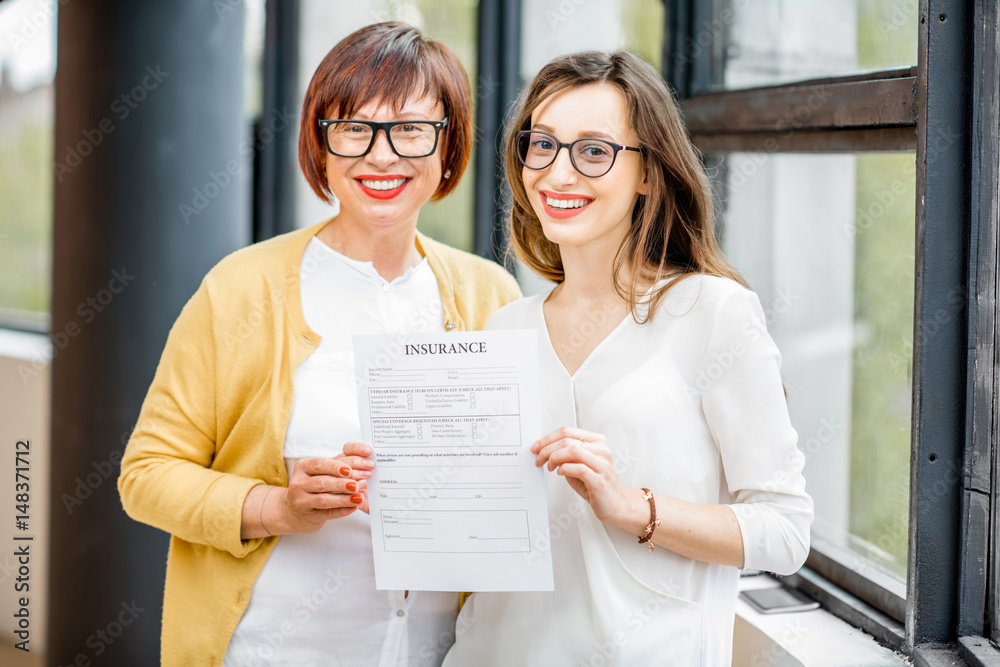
{"x":591,"y":157}
{"x":407,"y":138}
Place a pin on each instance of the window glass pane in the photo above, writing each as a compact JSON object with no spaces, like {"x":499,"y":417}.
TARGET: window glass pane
{"x":323,"y":24}
{"x":27,"y":72}
{"x":253,"y":58}
{"x":777,"y":41}
{"x":551,"y":28}
{"x":827,"y":242}
{"x":454,"y":23}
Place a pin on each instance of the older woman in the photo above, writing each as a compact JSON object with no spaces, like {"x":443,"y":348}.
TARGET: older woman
{"x":246,"y":448}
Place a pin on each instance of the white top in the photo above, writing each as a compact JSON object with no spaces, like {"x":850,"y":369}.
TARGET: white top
{"x":315,"y":602}
{"x":693,"y":407}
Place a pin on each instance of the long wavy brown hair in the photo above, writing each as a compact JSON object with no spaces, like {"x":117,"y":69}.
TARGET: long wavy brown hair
{"x":672,"y":232}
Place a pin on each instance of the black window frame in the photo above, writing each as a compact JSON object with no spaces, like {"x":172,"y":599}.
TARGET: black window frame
{"x":952,"y":595}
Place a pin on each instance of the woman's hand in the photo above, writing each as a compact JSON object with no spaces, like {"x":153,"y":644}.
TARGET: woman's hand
{"x":319,"y":489}
{"x":357,"y":455}
{"x":586,"y":461}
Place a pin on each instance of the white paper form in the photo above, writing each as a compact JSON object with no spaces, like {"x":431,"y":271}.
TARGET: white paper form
{"x":456,"y":501}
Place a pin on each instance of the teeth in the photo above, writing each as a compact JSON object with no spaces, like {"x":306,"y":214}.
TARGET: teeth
{"x":383,"y":185}
{"x":566,"y":203}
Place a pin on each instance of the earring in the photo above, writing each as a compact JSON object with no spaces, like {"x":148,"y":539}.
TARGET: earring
{"x":447,"y":174}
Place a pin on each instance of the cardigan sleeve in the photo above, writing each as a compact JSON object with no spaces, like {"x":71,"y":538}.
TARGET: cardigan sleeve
{"x":166,"y":480}
{"x":746,"y":410}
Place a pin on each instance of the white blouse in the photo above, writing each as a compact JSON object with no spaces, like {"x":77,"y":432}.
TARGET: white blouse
{"x":315,"y":602}
{"x":692,"y":405}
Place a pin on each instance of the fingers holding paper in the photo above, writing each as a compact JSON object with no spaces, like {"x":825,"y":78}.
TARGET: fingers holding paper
{"x":322,"y":489}
{"x":358,"y":455}
{"x":587,"y":463}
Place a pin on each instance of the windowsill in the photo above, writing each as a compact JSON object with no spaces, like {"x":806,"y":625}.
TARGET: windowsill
{"x":24,"y":346}
{"x":799,"y":639}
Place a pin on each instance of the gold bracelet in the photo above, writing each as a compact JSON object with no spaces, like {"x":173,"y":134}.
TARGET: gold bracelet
{"x":261,"y":517}
{"x":654,"y":520}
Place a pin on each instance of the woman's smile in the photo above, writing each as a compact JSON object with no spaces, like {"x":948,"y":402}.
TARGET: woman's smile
{"x":563,"y":205}
{"x":382,"y":186}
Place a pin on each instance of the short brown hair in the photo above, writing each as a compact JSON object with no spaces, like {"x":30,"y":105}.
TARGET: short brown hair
{"x":672,"y":230}
{"x":389,"y":63}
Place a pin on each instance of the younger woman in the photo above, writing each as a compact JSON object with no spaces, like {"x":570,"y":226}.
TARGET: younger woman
{"x":671,"y":462}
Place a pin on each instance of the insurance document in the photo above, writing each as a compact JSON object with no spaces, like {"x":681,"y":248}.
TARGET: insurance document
{"x":456,"y":501}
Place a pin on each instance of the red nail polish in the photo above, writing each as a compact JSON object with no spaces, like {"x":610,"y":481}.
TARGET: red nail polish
{"x":357,"y":498}
{"x":345,"y":471}
{"x":351,"y":486}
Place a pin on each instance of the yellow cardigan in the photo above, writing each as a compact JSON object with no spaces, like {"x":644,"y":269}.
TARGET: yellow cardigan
{"x":213,"y":424}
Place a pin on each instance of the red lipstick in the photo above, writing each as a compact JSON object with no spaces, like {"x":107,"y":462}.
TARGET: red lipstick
{"x":382,"y":194}
{"x":562,"y":212}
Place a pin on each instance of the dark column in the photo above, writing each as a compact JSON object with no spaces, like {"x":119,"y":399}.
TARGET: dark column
{"x":940,"y":336}
{"x":277,"y":128}
{"x":499,"y":56}
{"x":151,"y":172}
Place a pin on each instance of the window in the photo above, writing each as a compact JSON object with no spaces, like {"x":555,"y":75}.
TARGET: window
{"x":552,"y":28}
{"x":27,"y":111}
{"x":826,"y":241}
{"x":777,"y":41}
{"x":861,"y":203}
{"x":820,"y":218}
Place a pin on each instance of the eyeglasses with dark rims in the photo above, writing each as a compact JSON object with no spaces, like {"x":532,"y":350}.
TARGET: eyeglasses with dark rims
{"x":591,"y":157}
{"x":407,"y":138}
